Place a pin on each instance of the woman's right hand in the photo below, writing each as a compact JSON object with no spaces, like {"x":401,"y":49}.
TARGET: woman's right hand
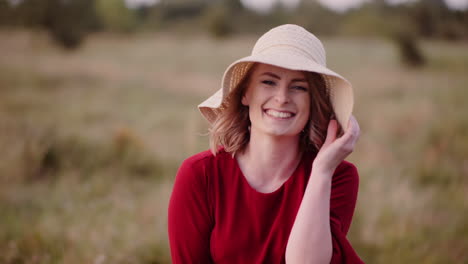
{"x":334,"y":150}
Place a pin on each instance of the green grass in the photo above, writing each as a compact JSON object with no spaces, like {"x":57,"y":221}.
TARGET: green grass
{"x":91,"y":142}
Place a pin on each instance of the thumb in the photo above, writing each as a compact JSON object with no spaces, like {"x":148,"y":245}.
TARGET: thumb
{"x":331,"y":132}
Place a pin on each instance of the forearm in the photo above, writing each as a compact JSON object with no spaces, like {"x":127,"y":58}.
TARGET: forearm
{"x":310,"y":239}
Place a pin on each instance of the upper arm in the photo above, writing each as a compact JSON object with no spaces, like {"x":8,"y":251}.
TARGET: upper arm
{"x":189,"y":217}
{"x":344,"y":193}
{"x":343,"y":198}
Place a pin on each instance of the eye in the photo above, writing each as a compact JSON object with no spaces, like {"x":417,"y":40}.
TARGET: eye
{"x":268,"y":82}
{"x":299,"y":88}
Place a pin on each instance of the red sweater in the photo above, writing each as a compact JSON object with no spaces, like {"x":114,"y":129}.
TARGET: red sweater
{"x":215,"y":216}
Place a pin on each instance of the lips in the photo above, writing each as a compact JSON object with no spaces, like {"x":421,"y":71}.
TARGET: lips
{"x":279,"y":114}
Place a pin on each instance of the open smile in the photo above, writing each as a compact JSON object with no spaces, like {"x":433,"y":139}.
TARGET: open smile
{"x":279,"y":114}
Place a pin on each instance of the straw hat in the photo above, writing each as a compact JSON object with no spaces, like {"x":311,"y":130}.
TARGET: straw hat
{"x":291,"y":47}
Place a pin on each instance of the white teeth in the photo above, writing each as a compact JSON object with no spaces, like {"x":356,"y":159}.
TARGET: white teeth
{"x":278,"y":114}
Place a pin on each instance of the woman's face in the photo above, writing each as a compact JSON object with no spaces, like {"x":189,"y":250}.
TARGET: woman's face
{"x":278,"y":100}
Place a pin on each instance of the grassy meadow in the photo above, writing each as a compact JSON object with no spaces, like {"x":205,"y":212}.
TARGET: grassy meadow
{"x":91,"y":141}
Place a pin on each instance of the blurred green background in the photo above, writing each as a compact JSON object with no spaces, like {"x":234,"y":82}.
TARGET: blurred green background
{"x":98,"y":109}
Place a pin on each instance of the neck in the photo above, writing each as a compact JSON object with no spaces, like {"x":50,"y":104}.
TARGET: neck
{"x":269,"y":150}
{"x":269,"y":160}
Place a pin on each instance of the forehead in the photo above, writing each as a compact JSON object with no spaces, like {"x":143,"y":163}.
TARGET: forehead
{"x":262,"y":68}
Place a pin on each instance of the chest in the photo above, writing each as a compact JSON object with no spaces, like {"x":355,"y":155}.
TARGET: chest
{"x":253,"y":227}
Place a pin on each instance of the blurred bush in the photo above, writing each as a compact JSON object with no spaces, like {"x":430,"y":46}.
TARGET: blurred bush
{"x":409,"y":50}
{"x":70,"y":21}
{"x":363,"y":23}
{"x":217,"y":21}
{"x":43,"y":155}
{"x":32,"y":247}
{"x":115,"y":16}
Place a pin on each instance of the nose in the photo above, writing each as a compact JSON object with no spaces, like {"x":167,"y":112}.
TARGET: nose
{"x":282,"y":96}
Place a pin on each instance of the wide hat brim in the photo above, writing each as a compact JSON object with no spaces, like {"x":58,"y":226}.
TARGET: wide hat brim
{"x":339,"y":89}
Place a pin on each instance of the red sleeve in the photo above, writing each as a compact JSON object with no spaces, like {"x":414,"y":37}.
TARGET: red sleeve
{"x":344,"y":191}
{"x":189,"y":218}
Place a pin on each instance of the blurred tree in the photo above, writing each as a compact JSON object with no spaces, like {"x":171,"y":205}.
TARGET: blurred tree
{"x":28,"y":12}
{"x":363,"y":22}
{"x":69,"y":21}
{"x":410,"y":52}
{"x":115,"y":16}
{"x":316,"y":18}
{"x":221,"y":16}
{"x":434,"y":19}
{"x":217,"y":21}
{"x":234,"y":6}
{"x":6,"y":13}
{"x":190,"y":10}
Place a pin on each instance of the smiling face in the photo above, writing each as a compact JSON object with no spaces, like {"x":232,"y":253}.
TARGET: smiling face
{"x":278,"y":100}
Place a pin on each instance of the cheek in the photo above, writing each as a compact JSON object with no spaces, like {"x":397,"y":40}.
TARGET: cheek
{"x":254,"y":98}
{"x":249,"y":96}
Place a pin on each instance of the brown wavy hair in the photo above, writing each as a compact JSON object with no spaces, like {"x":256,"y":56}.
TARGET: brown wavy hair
{"x":230,"y":130}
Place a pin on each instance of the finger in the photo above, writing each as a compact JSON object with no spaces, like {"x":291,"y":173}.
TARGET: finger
{"x":352,"y":132}
{"x":354,"y":128}
{"x":331,"y":132}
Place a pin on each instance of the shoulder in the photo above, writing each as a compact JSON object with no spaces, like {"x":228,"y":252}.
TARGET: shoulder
{"x":346,"y":173}
{"x":199,"y":173}
{"x":191,"y":175}
{"x":344,"y":193}
{"x":198,"y":159}
{"x":203,"y":164}
{"x":346,"y":167}
{"x":202,"y":159}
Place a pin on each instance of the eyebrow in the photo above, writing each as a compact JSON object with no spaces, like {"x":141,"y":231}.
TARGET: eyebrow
{"x":277,"y":77}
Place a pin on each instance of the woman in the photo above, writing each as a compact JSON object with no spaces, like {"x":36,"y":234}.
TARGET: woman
{"x":274,"y":188}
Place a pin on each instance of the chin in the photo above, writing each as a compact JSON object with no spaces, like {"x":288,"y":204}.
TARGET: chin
{"x":283,"y":133}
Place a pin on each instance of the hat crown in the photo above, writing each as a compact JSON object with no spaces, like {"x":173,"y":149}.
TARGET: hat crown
{"x":291,"y":38}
